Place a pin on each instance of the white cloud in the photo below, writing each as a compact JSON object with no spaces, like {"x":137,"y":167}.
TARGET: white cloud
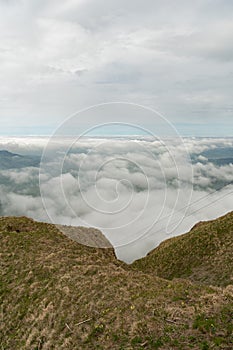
{"x":136,"y":196}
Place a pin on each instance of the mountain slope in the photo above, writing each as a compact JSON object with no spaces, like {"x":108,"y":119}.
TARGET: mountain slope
{"x":10,"y":160}
{"x":205,"y":254}
{"x":58,"y":294}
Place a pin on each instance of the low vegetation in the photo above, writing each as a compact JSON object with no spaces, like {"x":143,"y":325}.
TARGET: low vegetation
{"x":58,"y":294}
{"x":205,"y":254}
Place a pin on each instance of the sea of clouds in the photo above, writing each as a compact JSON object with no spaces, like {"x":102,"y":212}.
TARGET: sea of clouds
{"x":138,"y":191}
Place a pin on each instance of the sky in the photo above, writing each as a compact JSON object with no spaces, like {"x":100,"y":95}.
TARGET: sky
{"x":157,"y":71}
{"x":60,"y":57}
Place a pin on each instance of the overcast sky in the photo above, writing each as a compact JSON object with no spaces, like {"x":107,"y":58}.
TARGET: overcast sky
{"x":57,"y":57}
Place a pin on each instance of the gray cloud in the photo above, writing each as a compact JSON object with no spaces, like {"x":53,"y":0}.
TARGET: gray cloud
{"x":58,"y":57}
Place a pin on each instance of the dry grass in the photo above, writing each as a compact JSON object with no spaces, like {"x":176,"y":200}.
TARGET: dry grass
{"x":205,"y":254}
{"x":51,"y":284}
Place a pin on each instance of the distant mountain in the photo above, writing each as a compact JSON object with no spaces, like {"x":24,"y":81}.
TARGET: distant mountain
{"x":218,"y":153}
{"x":219,"y":156}
{"x":221,"y":161}
{"x":205,"y":254}
{"x":10,"y":160}
{"x":58,"y":294}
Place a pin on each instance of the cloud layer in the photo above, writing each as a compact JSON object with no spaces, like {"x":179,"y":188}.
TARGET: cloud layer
{"x":138,"y":192}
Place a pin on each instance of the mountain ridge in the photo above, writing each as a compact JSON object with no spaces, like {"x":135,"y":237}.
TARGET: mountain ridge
{"x":204,"y":254}
{"x":9,"y":160}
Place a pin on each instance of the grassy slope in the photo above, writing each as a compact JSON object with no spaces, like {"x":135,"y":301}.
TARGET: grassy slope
{"x":205,"y":254}
{"x":49,"y":284}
